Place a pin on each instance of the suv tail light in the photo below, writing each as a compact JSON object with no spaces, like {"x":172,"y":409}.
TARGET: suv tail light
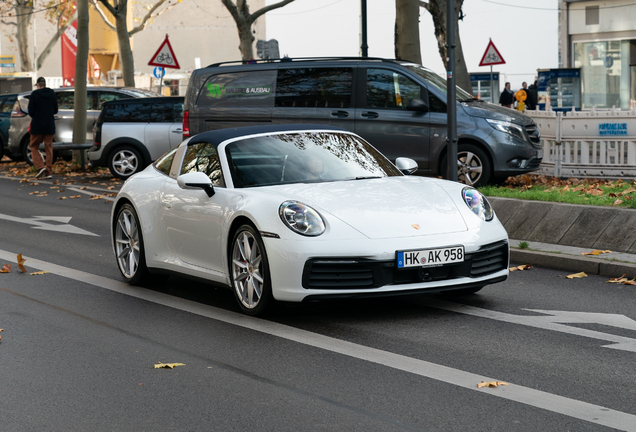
{"x":186,"y":124}
{"x":17,"y":111}
{"x":97,"y":136}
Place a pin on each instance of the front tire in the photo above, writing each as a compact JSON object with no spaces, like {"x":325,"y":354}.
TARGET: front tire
{"x":249,"y":270}
{"x":129,"y":246}
{"x":125,"y":161}
{"x":473,"y":166}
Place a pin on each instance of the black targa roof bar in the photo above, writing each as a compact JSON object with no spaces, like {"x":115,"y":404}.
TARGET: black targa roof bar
{"x":288,"y":59}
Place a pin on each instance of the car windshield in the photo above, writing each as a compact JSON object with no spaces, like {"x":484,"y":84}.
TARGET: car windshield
{"x":438,"y":81}
{"x":305,"y":157}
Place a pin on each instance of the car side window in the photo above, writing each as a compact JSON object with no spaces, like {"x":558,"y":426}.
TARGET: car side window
{"x":127,"y":112}
{"x":7,"y":106}
{"x":178,"y":112}
{"x":65,"y":100}
{"x":435,"y":104}
{"x":388,"y":89}
{"x":314,"y":87}
{"x":162,"y":112}
{"x":164,"y":163}
{"x":203,"y":157}
{"x":104,"y":96}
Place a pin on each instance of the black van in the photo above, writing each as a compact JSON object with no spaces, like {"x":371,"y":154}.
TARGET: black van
{"x":397,"y":106}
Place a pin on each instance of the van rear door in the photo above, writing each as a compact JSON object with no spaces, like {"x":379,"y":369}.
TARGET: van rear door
{"x":315,"y":95}
{"x":382,"y":119}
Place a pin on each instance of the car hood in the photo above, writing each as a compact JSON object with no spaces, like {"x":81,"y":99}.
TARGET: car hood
{"x":496,"y":112}
{"x":383,"y":208}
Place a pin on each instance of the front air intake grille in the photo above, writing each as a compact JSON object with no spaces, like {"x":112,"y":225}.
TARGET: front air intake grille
{"x":489,"y":259}
{"x":534,"y":163}
{"x":534,"y":135}
{"x":335,"y":273}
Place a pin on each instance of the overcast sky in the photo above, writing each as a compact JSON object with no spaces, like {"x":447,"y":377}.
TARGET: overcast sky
{"x":524,"y":31}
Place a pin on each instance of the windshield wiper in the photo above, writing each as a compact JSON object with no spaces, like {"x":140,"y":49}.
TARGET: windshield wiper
{"x":470,"y":100}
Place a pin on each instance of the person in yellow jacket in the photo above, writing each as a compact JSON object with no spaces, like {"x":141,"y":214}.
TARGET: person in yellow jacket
{"x":521,"y":97}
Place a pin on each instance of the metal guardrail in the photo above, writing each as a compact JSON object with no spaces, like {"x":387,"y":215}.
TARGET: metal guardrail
{"x":588,"y":144}
{"x":71,"y":146}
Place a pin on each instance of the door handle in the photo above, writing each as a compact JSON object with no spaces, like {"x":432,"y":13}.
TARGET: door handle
{"x":177,"y":131}
{"x":370,"y":114}
{"x":167,"y":205}
{"x":339,"y":114}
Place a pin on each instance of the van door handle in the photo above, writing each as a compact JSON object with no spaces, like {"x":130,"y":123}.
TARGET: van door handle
{"x":339,"y":114}
{"x":177,"y":131}
{"x":370,"y":114}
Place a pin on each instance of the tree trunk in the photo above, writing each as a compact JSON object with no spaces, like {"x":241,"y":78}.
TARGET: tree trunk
{"x":24,"y":13}
{"x":437,"y":9}
{"x":246,"y":40}
{"x":407,"y":31}
{"x":81,"y":60}
{"x":125,"y":52}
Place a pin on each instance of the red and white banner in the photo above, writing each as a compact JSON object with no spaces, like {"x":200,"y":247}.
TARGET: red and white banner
{"x":69,"y":51}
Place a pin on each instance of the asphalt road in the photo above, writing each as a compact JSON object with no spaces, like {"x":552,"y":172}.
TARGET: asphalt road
{"x":79,"y":346}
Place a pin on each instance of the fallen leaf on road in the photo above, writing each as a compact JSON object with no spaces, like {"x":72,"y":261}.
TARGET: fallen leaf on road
{"x":1,"y":330}
{"x":33,"y":193}
{"x":39,"y":273}
{"x":617,"y":280}
{"x":6,"y":268}
{"x":521,"y":267}
{"x":61,"y":197}
{"x":576,"y":275}
{"x":21,"y":262}
{"x":617,"y":202}
{"x":83,"y":187}
{"x":110,"y":187}
{"x":168,"y":365}
{"x":491,"y":384}
{"x":108,"y":202}
{"x":75,"y":196}
{"x":596,"y":252}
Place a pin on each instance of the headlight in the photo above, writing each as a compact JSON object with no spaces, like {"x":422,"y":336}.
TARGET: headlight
{"x":301,"y":218}
{"x":477,"y":203}
{"x":507,"y":127}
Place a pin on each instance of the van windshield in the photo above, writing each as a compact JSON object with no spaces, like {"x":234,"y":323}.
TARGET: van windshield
{"x":437,"y":81}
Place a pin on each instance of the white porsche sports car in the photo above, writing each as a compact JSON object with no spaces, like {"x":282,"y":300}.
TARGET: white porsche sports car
{"x":300,"y":212}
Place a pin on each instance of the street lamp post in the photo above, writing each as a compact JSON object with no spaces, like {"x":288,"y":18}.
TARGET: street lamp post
{"x":450,"y":84}
{"x":364,"y":48}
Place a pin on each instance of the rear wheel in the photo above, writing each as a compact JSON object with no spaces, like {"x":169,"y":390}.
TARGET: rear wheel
{"x":473,"y":166}
{"x":125,"y":161}
{"x":129,"y":246}
{"x":249,"y":270}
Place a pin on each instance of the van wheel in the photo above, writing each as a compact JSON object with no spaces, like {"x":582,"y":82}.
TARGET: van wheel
{"x":125,"y":161}
{"x":473,"y":166}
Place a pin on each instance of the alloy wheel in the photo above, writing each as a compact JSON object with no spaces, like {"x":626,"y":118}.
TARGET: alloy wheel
{"x":125,"y":163}
{"x":469,"y":168}
{"x":127,"y":243}
{"x":247,"y":270}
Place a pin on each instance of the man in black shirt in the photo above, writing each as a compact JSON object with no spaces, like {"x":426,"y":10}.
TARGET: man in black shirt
{"x":42,"y":109}
{"x":506,"y":97}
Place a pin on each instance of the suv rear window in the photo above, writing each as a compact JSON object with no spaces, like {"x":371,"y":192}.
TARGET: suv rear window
{"x":314,"y":87}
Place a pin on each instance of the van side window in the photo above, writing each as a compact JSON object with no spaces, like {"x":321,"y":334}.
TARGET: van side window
{"x":314,"y":87}
{"x":435,"y":104}
{"x":388,"y":89}
{"x":127,"y":112}
{"x":238,"y":89}
{"x":202,"y":157}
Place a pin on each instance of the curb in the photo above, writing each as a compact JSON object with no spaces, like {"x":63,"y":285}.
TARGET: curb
{"x":572,"y":263}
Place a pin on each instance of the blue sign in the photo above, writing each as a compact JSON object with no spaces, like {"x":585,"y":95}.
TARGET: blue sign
{"x":612,"y":129}
{"x":158,"y":72}
{"x":484,"y":77}
{"x":609,"y":61}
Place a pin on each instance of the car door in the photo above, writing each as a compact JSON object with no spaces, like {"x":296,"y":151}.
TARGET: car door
{"x":157,"y":132}
{"x":314,"y":95}
{"x":382,"y":118}
{"x":64,"y":116}
{"x":176,"y":129}
{"x":194,"y":222}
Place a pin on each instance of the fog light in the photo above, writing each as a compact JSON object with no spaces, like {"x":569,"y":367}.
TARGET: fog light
{"x":514,"y":163}
{"x":524,"y":163}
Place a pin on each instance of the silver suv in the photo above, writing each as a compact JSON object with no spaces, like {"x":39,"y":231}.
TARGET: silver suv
{"x":130,"y":134}
{"x":19,"y":137}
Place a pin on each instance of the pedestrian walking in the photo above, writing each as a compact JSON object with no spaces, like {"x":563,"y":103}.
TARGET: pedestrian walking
{"x":533,"y":96}
{"x":506,"y":97}
{"x":42,"y":109}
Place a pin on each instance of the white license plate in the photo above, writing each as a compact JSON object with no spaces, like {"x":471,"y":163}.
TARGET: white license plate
{"x":540,"y":153}
{"x":430,"y":257}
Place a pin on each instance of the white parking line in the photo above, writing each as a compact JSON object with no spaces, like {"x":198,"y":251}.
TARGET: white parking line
{"x":558,"y":404}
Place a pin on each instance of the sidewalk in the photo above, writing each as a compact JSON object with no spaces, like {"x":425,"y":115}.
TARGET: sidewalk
{"x":558,"y":234}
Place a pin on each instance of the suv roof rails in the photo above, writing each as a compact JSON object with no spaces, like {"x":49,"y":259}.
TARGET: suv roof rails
{"x":289,"y":59}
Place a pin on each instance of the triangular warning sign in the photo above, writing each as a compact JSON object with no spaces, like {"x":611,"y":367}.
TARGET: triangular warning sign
{"x":491,"y":56}
{"x":164,"y":57}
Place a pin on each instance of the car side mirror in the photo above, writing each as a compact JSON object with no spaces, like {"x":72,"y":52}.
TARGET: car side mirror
{"x":196,"y":180}
{"x":417,"y":105}
{"x":405,"y":165}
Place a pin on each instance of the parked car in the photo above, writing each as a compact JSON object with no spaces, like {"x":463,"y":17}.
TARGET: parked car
{"x":132,"y":133}
{"x":6,"y":105}
{"x":18,"y":133}
{"x":399,"y":107}
{"x":303,"y":212}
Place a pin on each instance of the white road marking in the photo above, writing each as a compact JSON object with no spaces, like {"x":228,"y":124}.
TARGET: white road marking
{"x":553,"y":321}
{"x":39,"y":223}
{"x":558,"y":404}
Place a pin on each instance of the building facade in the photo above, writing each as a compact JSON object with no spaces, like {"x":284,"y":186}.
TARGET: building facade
{"x":599,"y":37}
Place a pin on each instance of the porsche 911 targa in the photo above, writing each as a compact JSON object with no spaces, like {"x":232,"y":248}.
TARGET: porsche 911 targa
{"x":303,"y":212}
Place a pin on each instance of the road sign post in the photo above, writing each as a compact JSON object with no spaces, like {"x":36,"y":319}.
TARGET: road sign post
{"x":490,"y":58}
{"x":164,"y":58}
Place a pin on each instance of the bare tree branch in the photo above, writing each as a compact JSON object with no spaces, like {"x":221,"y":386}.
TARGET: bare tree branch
{"x":266,"y":9}
{"x":102,"y":14}
{"x":425,"y":5}
{"x":107,"y":5}
{"x":60,"y":30}
{"x":9,"y":23}
{"x":149,"y":16}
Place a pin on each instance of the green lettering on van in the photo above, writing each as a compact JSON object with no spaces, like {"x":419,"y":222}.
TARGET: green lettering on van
{"x":215,"y":90}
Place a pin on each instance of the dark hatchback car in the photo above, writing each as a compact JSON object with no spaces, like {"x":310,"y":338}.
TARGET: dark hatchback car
{"x":397,"y":106}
